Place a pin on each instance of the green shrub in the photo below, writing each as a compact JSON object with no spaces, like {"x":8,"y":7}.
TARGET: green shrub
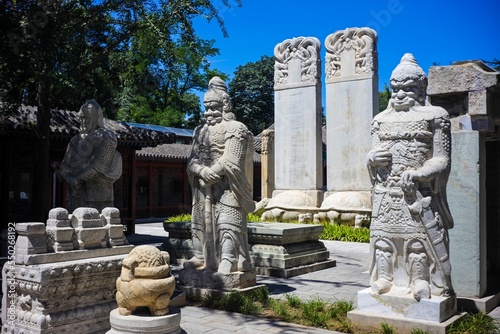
{"x":280,"y":309}
{"x":185,"y":217}
{"x":260,"y":295}
{"x":345,"y":233}
{"x":386,"y":328}
{"x":293,"y":300}
{"x":339,"y":309}
{"x":478,"y":323}
{"x":418,"y":331}
{"x":231,"y":302}
{"x":314,"y":311}
{"x":252,"y":217}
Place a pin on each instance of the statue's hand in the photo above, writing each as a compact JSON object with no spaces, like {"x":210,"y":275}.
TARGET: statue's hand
{"x":407,"y":179}
{"x":379,"y":157}
{"x":208,"y":176}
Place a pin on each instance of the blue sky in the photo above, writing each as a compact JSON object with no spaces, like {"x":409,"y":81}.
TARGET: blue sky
{"x":434,"y":31}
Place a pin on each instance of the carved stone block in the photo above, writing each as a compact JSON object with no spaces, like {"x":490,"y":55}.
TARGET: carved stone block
{"x":89,"y":228}
{"x":31,"y":239}
{"x":60,"y":230}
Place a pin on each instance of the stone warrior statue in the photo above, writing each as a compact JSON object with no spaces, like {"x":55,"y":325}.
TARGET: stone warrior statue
{"x":409,"y":166}
{"x":221,"y":192}
{"x":91,"y":164}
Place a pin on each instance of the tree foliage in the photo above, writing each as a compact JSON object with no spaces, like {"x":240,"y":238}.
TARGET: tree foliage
{"x":252,"y":94}
{"x":383,"y":98}
{"x":142,"y":56}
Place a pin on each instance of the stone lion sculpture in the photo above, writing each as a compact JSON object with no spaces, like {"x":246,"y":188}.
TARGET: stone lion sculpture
{"x":145,"y":281}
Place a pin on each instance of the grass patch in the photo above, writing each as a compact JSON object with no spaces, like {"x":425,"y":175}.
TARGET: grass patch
{"x":331,"y":231}
{"x":313,"y":313}
{"x":186,"y":217}
{"x":319,"y":313}
{"x":345,"y":233}
{"x":478,"y":323}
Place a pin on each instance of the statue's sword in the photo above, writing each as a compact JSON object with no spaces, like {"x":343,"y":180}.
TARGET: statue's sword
{"x":210,"y":257}
{"x":420,"y":207}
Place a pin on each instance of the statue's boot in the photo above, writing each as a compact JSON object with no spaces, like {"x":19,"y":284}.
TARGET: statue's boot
{"x":227,"y":266}
{"x":383,"y":255}
{"x":197,"y":261}
{"x":419,"y":270}
{"x":244,"y":264}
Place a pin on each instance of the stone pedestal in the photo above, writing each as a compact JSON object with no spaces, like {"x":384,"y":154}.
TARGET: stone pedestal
{"x":403,"y":312}
{"x":146,"y":323}
{"x":54,"y":291}
{"x":276,"y":249}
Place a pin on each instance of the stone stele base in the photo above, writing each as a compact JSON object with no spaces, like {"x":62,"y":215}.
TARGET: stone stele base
{"x":403,"y":312}
{"x":146,"y":323}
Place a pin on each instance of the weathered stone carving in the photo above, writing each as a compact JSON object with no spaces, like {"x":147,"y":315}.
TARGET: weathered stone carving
{"x":348,"y":46}
{"x":409,"y":165}
{"x":221,"y":191}
{"x":91,"y":164}
{"x":146,"y":281}
{"x":297,"y":61}
{"x":351,"y":208}
{"x":292,"y":205}
{"x":55,"y":287}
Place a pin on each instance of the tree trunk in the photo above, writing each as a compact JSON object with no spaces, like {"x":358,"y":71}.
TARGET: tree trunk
{"x":41,"y":181}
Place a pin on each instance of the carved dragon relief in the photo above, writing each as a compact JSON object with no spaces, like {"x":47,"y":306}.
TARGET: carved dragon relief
{"x":361,"y":40}
{"x":305,"y":49}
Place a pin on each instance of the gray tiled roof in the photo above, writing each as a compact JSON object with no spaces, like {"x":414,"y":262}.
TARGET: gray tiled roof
{"x":66,"y":123}
{"x":173,"y":152}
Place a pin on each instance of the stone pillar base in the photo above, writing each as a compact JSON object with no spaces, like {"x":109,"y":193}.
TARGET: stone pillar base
{"x":403,"y":312}
{"x":436,"y":309}
{"x":146,"y":323}
{"x":369,"y":321}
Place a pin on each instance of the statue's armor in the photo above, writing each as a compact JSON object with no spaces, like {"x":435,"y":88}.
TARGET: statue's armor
{"x":407,"y":221}
{"x":410,"y":144}
{"x":224,"y":143}
{"x":225,"y":140}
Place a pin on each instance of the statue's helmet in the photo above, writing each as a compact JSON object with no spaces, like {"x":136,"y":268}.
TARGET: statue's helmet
{"x":408,"y":69}
{"x":94,"y":110}
{"x":217,"y":91}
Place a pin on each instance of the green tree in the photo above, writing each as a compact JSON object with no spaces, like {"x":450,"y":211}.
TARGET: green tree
{"x":62,"y":52}
{"x":252,"y":94}
{"x":383,"y":98}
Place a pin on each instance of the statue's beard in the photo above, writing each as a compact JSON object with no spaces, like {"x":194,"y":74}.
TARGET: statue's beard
{"x":213,"y":121}
{"x":403,"y":105}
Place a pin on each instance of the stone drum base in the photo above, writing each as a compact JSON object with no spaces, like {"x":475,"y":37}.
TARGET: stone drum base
{"x":146,"y":323}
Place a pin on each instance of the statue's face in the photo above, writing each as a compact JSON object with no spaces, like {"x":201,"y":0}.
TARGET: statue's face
{"x":405,"y":94}
{"x":88,"y":118}
{"x":213,"y":112}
